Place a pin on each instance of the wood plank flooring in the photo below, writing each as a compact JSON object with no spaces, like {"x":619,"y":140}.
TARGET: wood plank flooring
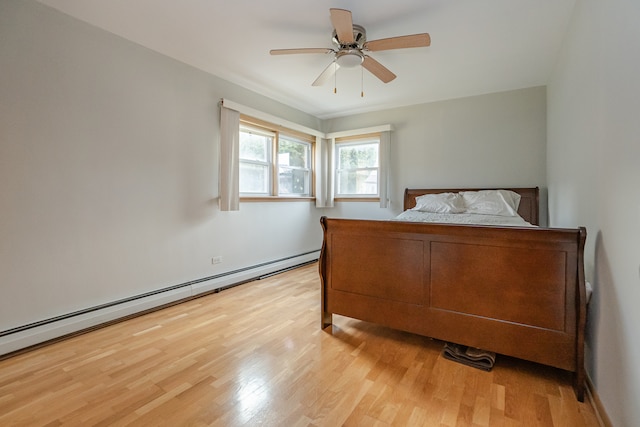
{"x":254,"y":355}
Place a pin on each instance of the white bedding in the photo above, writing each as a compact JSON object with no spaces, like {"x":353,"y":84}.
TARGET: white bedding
{"x":462,"y":218}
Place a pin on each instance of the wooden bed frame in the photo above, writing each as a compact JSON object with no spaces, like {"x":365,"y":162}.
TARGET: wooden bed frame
{"x":516,"y":291}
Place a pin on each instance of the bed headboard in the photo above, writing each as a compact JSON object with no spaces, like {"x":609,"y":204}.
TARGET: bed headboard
{"x":529,"y":199}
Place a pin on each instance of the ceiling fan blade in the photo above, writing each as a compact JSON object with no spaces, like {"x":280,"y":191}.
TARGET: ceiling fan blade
{"x":302,"y":50}
{"x":377,"y":69}
{"x":401,"y":42}
{"x":326,"y":74}
{"x":343,"y":24}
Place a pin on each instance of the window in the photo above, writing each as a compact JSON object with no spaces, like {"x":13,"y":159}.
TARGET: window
{"x":357,"y":167}
{"x":287,"y":173}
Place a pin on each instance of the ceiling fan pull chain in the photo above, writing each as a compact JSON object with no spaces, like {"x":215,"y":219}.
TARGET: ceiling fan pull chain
{"x":335,"y":77}
{"x":361,"y":82}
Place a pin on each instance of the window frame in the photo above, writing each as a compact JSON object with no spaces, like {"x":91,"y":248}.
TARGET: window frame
{"x":285,"y":133}
{"x":356,"y":140}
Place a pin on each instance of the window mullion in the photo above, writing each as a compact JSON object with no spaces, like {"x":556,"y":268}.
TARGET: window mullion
{"x":255,"y":162}
{"x":275,"y":169}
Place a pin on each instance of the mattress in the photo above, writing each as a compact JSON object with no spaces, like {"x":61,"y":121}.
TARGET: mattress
{"x":462,"y":218}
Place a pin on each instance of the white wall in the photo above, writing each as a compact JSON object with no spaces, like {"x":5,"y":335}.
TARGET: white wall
{"x":495,"y":140}
{"x":594,"y":172}
{"x":108,"y":172}
{"x":109,"y":169}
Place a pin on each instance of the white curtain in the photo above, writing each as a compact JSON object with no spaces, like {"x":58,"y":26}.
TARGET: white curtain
{"x":229,"y":160}
{"x":324,"y":172}
{"x":385,"y":150}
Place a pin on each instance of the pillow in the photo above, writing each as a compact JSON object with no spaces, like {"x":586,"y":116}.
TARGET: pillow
{"x":440,"y":203}
{"x":491,"y":202}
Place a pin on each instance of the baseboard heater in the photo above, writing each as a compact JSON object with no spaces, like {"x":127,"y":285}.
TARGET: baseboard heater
{"x":21,"y":337}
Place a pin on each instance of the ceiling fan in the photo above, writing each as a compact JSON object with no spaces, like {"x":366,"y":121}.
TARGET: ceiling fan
{"x":352,"y":48}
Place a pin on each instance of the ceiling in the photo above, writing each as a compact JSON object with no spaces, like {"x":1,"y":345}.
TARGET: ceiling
{"x":477,"y":47}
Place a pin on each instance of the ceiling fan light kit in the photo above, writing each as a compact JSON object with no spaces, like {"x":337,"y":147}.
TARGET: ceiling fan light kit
{"x":351,"y":47}
{"x":349,"y":58}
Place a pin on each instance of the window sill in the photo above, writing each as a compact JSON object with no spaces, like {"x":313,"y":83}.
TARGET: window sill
{"x":276,"y":199}
{"x":357,"y":199}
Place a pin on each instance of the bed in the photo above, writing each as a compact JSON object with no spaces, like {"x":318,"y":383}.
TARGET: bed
{"x":513,"y":290}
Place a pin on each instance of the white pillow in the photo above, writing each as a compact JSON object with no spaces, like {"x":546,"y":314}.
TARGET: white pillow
{"x":491,"y":202}
{"x":440,"y":203}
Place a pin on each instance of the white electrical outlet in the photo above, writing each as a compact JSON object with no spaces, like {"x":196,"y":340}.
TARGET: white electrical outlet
{"x":216,"y":260}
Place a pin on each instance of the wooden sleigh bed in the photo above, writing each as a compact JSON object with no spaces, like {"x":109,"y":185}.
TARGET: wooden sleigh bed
{"x":514,"y":291}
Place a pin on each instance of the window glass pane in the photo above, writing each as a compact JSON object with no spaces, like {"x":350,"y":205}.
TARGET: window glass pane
{"x":352,"y":156}
{"x":357,"y":168}
{"x":254,"y":178}
{"x":293,"y":153}
{"x":357,"y":182}
{"x":294,"y":159}
{"x":254,"y":146}
{"x":293,"y":181}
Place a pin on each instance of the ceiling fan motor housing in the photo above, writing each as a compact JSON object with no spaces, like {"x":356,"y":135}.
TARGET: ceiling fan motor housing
{"x":359,"y":38}
{"x":350,"y":54}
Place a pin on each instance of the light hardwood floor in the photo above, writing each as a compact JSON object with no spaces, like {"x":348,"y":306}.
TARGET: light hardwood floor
{"x":255,"y":355}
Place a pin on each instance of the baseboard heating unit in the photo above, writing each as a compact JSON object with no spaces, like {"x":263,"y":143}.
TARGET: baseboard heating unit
{"x":22,"y":337}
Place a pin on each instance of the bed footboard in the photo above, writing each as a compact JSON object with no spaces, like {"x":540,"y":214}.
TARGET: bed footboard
{"x":514,"y":291}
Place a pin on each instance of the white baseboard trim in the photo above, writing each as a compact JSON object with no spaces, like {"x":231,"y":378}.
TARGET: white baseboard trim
{"x":596,"y":404}
{"x":28,"y":336}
